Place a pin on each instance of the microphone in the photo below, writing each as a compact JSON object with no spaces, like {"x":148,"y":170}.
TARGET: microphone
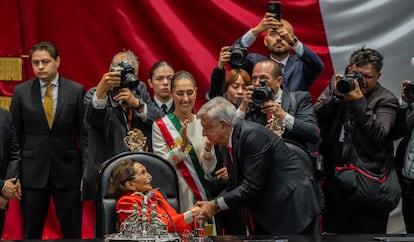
{"x":169,"y":216}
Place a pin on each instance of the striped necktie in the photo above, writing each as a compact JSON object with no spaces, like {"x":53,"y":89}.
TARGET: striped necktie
{"x":164,"y":108}
{"x":48,"y":105}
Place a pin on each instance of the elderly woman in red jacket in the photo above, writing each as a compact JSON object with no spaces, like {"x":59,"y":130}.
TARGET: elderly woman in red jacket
{"x":130,"y":182}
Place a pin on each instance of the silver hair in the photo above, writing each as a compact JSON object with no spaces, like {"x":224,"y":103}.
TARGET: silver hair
{"x":218,"y":109}
{"x":129,"y":56}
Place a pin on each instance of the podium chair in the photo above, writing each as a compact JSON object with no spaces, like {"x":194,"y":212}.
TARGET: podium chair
{"x":163,"y":177}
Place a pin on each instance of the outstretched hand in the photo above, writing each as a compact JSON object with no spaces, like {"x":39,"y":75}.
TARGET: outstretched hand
{"x":207,"y":208}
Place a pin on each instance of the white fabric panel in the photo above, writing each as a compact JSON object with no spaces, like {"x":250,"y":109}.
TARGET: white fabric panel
{"x":385,"y":25}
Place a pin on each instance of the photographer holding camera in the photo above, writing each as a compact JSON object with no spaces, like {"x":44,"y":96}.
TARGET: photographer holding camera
{"x":300,"y":70}
{"x":356,"y":114}
{"x":267,"y":100}
{"x":116,"y":106}
{"x":405,"y":152}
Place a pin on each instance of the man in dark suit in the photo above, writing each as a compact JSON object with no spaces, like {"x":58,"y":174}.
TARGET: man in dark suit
{"x":9,"y":164}
{"x":293,"y":109}
{"x":300,"y":70}
{"x":110,"y":112}
{"x":265,"y":176}
{"x":48,"y":114}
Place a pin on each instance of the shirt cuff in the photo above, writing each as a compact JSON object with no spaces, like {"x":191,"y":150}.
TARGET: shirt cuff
{"x":99,"y":103}
{"x":299,"y":48}
{"x":209,"y":155}
{"x":143,"y":115}
{"x":188,"y":217}
{"x":248,"y":39}
{"x":289,"y":121}
{"x":403,"y":104}
{"x":222,"y":204}
{"x":240,"y":114}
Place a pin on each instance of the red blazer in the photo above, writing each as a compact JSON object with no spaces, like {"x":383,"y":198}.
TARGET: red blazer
{"x":127,"y":201}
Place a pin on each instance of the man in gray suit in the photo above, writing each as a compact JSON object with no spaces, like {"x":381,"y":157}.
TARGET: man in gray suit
{"x":48,"y":114}
{"x":9,"y":164}
{"x":293,"y":109}
{"x":300,"y":69}
{"x":264,"y":175}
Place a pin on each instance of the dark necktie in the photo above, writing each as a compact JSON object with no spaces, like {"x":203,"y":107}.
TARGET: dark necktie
{"x":48,"y":105}
{"x":281,"y":67}
{"x":164,"y":108}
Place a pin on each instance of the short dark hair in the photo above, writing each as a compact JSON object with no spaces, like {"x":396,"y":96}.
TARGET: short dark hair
{"x":158,"y":65}
{"x":365,"y":56}
{"x":45,"y":45}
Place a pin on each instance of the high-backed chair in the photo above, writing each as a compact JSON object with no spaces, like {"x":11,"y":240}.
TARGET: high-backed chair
{"x":163,"y":177}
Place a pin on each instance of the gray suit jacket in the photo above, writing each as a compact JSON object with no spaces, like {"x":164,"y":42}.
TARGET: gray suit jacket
{"x":299,"y":105}
{"x":271,"y":181}
{"x":299,"y":72}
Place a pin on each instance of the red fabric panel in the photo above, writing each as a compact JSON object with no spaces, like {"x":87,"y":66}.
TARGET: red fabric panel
{"x":188,"y":34}
{"x":10,"y":40}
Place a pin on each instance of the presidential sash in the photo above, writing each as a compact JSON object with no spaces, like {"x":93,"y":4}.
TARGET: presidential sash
{"x":189,"y":166}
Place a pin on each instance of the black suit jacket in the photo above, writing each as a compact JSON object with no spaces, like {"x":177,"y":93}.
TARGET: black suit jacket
{"x":270,"y":181}
{"x":59,"y":153}
{"x":9,"y":148}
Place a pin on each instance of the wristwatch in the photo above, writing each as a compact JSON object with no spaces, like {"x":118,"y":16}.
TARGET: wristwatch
{"x":295,"y":40}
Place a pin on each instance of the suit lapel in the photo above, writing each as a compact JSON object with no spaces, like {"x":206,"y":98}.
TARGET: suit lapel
{"x":62,"y":97}
{"x":37,"y":100}
{"x":236,"y":151}
{"x":285,"y":101}
{"x":288,"y":69}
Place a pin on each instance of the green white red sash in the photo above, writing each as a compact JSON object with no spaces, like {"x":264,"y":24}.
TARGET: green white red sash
{"x":189,"y":166}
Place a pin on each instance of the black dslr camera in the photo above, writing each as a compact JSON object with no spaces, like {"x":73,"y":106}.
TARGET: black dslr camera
{"x":346,"y":83}
{"x":262,"y":94}
{"x":128,"y":78}
{"x":238,"y":53}
{"x":409,"y":92}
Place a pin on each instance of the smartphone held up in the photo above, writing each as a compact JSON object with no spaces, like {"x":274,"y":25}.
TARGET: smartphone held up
{"x":275,"y":7}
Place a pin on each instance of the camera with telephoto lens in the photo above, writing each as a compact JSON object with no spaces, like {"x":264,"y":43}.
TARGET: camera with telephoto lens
{"x":262,"y":93}
{"x":409,"y":92}
{"x":128,"y":78}
{"x":238,"y":53}
{"x":346,"y":83}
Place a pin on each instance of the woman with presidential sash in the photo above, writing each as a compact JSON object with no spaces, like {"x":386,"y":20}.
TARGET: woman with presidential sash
{"x":178,"y":138}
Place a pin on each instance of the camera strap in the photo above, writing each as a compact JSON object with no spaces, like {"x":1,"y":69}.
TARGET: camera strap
{"x":349,"y":129}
